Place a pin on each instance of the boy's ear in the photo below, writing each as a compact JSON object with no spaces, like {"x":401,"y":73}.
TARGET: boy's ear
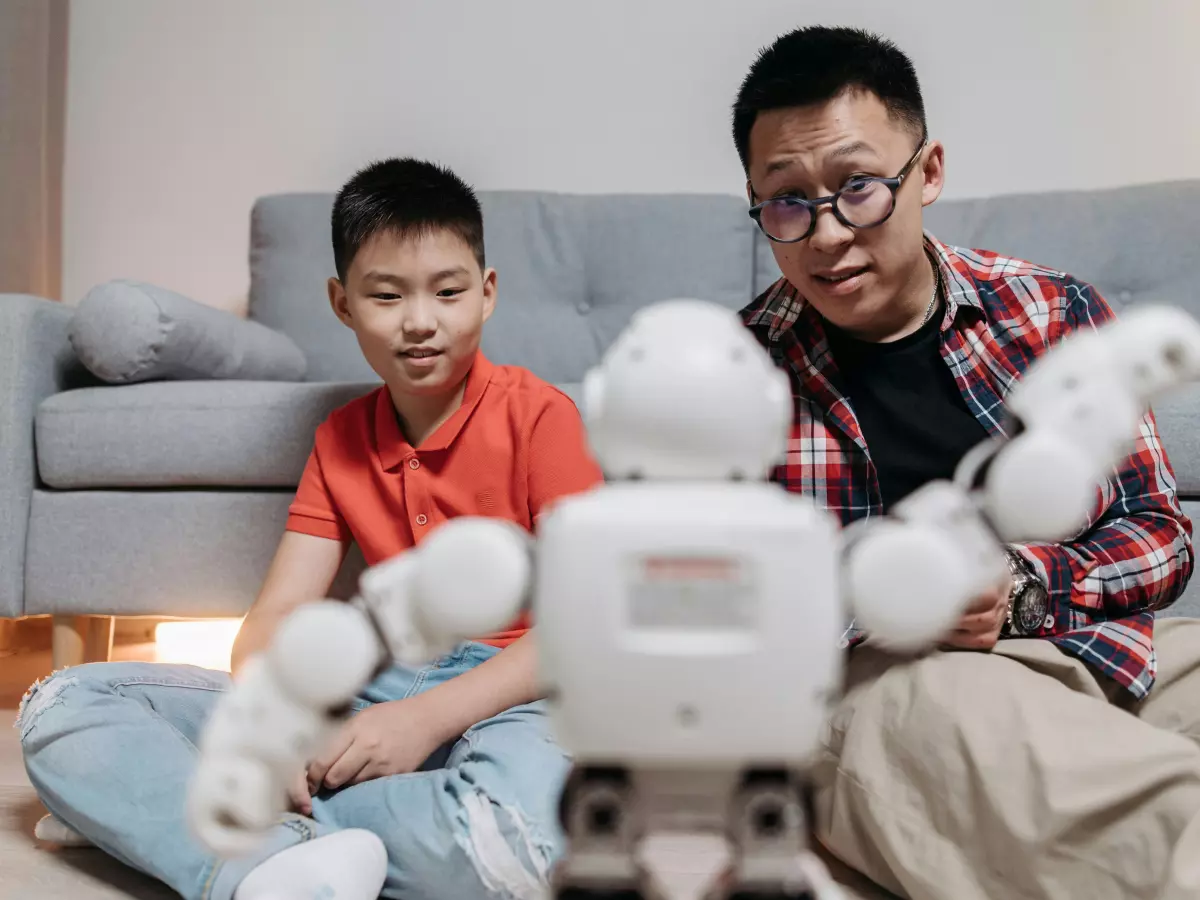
{"x":489,"y":293}
{"x":338,"y":300}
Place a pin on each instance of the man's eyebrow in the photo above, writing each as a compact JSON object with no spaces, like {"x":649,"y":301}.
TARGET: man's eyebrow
{"x":785,"y":162}
{"x":778,"y":165}
{"x":852,"y":148}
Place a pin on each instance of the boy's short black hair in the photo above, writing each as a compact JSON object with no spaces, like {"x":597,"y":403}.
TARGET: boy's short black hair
{"x":408,"y":197}
{"x":817,"y":64}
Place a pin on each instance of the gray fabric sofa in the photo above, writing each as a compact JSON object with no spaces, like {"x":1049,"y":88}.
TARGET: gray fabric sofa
{"x":167,"y":498}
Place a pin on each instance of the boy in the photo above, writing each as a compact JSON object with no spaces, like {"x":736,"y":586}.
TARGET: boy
{"x":448,"y":434}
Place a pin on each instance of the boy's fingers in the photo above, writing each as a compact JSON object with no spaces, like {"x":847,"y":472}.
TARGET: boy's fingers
{"x":319,"y":767}
{"x":353,"y":761}
{"x":298,"y":792}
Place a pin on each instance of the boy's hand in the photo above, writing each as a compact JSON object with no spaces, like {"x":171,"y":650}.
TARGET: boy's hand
{"x":299,"y":795}
{"x":391,"y":738}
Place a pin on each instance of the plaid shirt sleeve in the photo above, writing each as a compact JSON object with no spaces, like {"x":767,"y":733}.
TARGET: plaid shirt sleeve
{"x":1137,"y":554}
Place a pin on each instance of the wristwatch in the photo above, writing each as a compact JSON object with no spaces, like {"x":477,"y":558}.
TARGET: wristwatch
{"x":1028,"y":599}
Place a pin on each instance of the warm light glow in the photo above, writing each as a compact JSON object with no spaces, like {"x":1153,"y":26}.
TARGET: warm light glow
{"x":207,"y":644}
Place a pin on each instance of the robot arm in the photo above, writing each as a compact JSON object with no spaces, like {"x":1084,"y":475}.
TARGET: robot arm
{"x":1077,"y":411}
{"x":470,"y":577}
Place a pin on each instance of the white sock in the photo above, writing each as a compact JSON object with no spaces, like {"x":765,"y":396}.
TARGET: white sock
{"x":345,"y":865}
{"x":56,"y":831}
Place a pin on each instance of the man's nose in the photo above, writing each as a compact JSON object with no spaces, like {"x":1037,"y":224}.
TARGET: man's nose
{"x":829,"y":234}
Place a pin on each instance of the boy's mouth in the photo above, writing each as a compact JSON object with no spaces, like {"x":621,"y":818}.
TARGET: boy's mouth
{"x":420,"y":353}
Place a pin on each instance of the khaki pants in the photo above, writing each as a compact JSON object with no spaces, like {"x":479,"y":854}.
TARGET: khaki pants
{"x":1017,"y":773}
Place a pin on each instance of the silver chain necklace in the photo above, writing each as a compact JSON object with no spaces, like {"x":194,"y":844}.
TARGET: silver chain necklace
{"x":937,"y":292}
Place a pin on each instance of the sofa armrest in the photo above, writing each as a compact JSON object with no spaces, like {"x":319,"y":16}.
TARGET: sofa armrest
{"x":36,"y":360}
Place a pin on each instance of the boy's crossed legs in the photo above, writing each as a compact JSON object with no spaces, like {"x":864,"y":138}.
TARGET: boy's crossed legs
{"x":110,"y":748}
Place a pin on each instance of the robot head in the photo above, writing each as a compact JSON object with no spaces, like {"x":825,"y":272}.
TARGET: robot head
{"x":686,"y":392}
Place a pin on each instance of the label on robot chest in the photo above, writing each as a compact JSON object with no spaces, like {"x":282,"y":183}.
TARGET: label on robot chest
{"x":691,"y":593}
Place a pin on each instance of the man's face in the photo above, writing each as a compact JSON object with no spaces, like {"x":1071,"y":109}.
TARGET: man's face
{"x":417,"y":305}
{"x":813,"y":151}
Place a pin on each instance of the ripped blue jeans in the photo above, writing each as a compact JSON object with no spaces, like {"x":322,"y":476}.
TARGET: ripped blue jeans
{"x":110,"y":748}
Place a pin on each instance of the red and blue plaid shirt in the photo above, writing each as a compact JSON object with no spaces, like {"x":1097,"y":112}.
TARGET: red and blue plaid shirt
{"x":1134,"y":556}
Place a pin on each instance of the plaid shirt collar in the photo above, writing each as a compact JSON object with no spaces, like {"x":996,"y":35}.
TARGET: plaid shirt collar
{"x":805,"y":349}
{"x":782,"y":306}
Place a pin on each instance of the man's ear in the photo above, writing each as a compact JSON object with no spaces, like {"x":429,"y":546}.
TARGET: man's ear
{"x":339,"y":301}
{"x":933,"y":173}
{"x":749,"y":192}
{"x":489,"y":293}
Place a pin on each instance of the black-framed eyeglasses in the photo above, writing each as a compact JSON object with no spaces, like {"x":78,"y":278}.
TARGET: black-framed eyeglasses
{"x":864,"y":202}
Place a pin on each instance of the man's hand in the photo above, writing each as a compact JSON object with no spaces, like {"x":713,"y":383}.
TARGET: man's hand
{"x":391,"y":738}
{"x":979,"y":627}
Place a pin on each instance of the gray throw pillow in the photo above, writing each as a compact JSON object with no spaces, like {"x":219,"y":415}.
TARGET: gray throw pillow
{"x":127,"y":331}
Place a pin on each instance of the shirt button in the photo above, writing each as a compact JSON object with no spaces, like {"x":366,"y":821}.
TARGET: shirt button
{"x":422,"y":519}
{"x":414,"y":463}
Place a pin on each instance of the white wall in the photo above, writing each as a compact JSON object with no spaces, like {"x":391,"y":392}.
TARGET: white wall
{"x":181,"y":113}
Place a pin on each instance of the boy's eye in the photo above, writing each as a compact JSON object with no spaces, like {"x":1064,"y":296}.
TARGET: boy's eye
{"x":450,"y":292}
{"x":383,"y":296}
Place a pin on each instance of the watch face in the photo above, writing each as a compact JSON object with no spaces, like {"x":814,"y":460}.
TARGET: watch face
{"x":1029,"y":610}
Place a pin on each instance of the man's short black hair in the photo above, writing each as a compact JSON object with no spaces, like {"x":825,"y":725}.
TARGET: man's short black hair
{"x":815,"y":65}
{"x":408,"y":197}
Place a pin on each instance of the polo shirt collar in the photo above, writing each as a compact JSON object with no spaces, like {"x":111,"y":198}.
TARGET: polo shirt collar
{"x":391,"y":444}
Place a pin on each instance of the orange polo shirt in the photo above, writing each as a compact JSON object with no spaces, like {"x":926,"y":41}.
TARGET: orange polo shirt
{"x":514,"y":446}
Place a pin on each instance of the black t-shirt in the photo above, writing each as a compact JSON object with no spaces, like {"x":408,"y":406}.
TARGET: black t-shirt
{"x":913,"y":417}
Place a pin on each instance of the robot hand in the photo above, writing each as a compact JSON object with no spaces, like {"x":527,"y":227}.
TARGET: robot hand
{"x":1079,"y":408}
{"x":910,"y":575}
{"x":468,"y":578}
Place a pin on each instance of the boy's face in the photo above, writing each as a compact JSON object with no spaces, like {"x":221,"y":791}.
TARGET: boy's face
{"x":417,"y":305}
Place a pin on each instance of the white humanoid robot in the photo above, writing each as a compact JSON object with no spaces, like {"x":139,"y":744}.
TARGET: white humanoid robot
{"x":689,"y":612}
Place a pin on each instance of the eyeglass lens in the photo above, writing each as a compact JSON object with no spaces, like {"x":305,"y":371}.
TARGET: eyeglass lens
{"x":862,"y":204}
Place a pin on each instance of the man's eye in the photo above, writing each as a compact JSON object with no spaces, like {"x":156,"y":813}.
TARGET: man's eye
{"x":856,"y":185}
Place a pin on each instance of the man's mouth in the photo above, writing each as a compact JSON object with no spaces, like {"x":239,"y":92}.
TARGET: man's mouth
{"x":839,"y":275}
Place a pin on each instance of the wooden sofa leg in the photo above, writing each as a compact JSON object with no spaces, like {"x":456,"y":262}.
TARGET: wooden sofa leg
{"x":99,"y":643}
{"x":80,"y":639}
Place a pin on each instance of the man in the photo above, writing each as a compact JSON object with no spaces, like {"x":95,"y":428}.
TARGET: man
{"x":1058,"y":755}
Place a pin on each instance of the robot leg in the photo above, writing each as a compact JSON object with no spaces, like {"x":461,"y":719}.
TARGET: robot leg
{"x":769,"y":830}
{"x":687,"y":835}
{"x":597,"y":814}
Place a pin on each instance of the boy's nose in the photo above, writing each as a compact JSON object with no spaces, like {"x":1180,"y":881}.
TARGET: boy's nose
{"x":419,"y":320}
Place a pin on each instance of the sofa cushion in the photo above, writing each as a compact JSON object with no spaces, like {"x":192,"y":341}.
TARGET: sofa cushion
{"x":571,"y":271}
{"x":129,"y":331}
{"x":157,"y":553}
{"x":174,"y":434}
